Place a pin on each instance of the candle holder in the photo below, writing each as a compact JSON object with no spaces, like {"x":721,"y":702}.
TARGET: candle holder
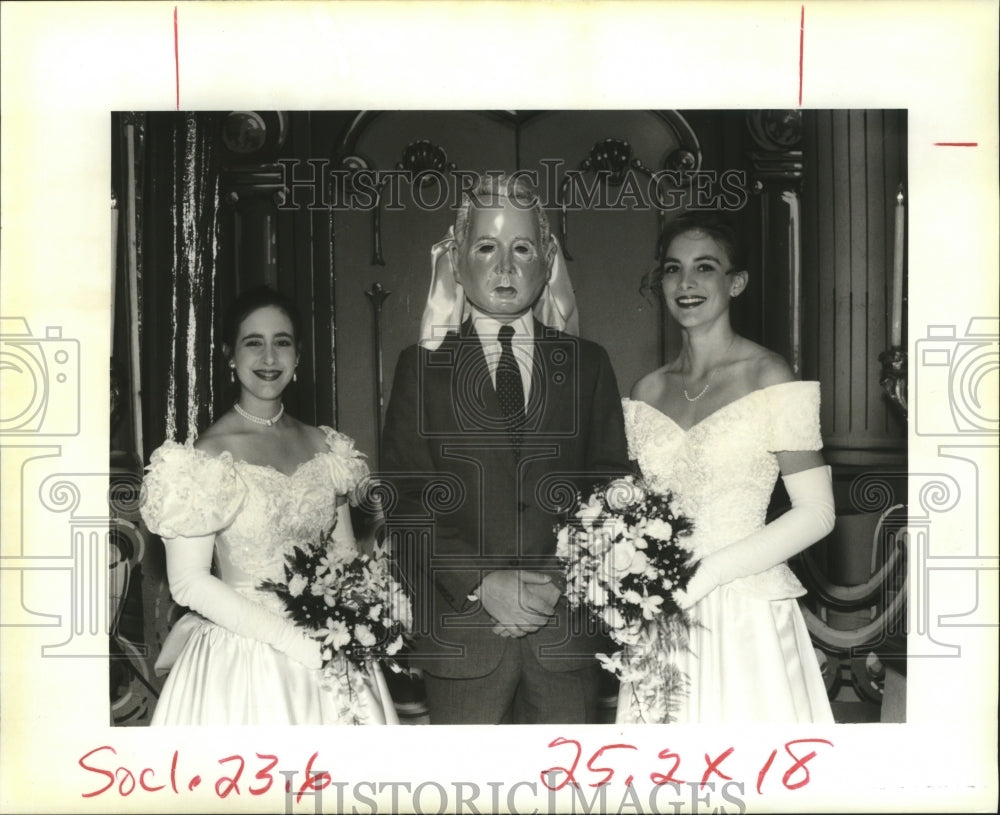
{"x":893,"y":377}
{"x":610,"y":160}
{"x":377,"y":295}
{"x":357,"y":166}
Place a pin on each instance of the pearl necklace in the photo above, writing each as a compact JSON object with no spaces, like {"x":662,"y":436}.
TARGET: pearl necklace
{"x":703,"y":390}
{"x":256,"y":419}
{"x":710,"y":376}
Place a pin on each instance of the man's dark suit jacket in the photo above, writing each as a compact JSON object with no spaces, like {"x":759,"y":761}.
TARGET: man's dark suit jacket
{"x":463,"y":504}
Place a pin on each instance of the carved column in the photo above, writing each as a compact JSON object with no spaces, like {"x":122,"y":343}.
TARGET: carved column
{"x":777,"y":177}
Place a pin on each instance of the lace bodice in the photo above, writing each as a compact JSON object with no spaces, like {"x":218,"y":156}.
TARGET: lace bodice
{"x":723,"y":469}
{"x":257,"y":512}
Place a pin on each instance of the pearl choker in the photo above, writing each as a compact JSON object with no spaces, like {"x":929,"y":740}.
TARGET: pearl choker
{"x":256,"y":419}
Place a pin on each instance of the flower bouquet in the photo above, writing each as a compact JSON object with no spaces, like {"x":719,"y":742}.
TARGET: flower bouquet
{"x":624,"y":555}
{"x":351,"y":604}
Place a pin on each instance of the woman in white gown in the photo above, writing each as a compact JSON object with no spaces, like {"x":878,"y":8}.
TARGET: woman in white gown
{"x":715,"y":426}
{"x":254,"y":485}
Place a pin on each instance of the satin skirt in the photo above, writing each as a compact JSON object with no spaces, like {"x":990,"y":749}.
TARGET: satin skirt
{"x":221,"y":678}
{"x":749,"y":660}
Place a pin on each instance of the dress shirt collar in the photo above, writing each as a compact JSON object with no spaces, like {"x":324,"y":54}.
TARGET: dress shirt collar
{"x":522,"y":343}
{"x":488,"y":327}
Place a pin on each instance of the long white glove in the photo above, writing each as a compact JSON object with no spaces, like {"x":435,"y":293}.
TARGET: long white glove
{"x":193,"y":585}
{"x":809,"y":520}
{"x":343,"y":529}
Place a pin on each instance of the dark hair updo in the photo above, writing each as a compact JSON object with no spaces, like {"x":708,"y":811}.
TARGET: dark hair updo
{"x":719,"y":226}
{"x":250,"y":301}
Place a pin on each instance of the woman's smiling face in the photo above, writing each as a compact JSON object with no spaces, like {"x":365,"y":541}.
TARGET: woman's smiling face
{"x":699,"y":279}
{"x":265,"y":354}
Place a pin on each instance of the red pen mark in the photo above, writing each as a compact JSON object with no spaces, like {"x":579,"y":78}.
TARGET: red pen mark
{"x":177,"y":66}
{"x":802,"y":38}
{"x":712,"y":766}
{"x":956,"y":144}
{"x":569,"y":771}
{"x":764,"y":769}
{"x":659,"y":778}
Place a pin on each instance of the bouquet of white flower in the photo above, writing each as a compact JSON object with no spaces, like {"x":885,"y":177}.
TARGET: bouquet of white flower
{"x":624,"y":555}
{"x":349,"y":602}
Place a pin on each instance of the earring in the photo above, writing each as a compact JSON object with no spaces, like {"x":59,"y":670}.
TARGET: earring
{"x":232,"y":374}
{"x":295,"y":377}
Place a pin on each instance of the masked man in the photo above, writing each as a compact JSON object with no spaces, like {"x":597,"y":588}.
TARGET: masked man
{"x":495,"y":418}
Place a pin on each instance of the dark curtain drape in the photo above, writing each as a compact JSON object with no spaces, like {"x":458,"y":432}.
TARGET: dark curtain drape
{"x":165,"y":378}
{"x":180,"y":341}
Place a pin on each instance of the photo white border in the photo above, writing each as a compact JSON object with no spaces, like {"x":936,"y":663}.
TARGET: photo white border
{"x":66,"y":66}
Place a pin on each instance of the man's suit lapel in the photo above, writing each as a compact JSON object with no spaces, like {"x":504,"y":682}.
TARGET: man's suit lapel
{"x":547,"y":403}
{"x":551,"y":399}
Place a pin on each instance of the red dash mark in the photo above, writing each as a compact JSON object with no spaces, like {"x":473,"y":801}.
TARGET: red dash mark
{"x":802,"y":38}
{"x":956,"y":144}
{"x":177,"y":66}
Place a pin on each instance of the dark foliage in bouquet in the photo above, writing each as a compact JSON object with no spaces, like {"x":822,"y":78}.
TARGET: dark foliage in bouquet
{"x":624,"y":553}
{"x":347,"y":600}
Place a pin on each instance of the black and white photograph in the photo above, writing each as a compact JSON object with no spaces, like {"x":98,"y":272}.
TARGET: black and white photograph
{"x":801,"y":215}
{"x":613,"y":392}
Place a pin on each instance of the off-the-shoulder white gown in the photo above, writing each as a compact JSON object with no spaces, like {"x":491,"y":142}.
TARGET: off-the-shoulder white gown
{"x":218,"y":677}
{"x":750,"y":658}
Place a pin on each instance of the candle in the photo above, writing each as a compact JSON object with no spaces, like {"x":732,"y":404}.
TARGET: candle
{"x":897,"y":274}
{"x":114,"y":265}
